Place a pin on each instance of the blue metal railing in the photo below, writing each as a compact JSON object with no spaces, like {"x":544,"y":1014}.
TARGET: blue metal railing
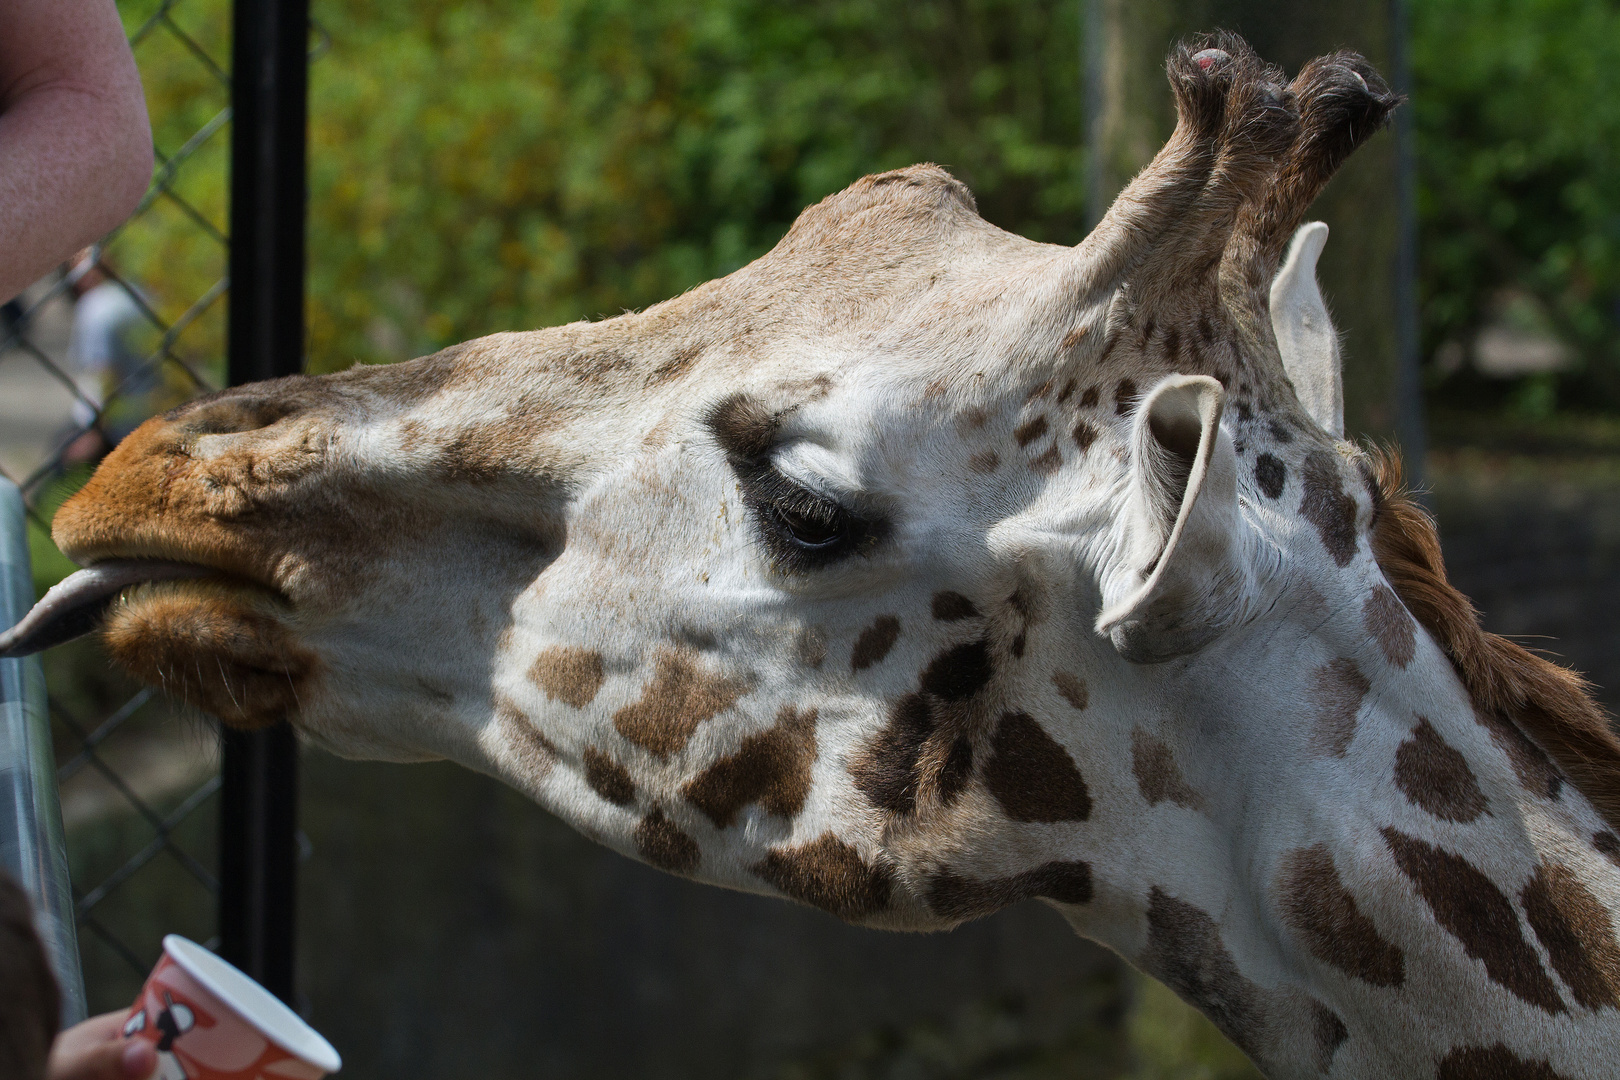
{"x":32,"y":847}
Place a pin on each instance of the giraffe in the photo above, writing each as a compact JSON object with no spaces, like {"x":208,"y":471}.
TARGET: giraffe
{"x":917,"y":569}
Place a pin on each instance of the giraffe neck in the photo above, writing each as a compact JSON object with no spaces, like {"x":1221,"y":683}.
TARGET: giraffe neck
{"x":1358,"y":875}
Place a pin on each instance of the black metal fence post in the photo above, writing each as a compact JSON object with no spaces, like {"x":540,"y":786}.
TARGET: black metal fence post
{"x":259,"y":797}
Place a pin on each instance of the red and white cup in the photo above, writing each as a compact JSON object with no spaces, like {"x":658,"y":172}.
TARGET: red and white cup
{"x":208,"y":1021}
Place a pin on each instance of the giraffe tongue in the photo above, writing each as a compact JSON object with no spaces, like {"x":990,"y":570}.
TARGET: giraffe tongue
{"x":75,"y":606}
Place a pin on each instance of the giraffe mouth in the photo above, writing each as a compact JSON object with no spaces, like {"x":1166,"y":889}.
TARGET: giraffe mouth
{"x":80,"y":602}
{"x":214,"y":639}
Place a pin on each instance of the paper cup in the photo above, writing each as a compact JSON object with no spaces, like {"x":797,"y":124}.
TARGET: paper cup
{"x":208,"y":1021}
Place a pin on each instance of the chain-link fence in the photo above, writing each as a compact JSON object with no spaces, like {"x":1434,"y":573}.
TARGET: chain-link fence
{"x":131,"y":327}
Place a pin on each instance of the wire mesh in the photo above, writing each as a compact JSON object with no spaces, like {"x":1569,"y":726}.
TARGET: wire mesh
{"x":130,"y":328}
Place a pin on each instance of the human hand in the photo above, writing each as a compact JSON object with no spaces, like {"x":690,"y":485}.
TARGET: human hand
{"x":97,"y":1050}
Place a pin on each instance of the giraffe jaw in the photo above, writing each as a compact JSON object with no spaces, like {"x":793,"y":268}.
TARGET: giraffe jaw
{"x":220,"y":644}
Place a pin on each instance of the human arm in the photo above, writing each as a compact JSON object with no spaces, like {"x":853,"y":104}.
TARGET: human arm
{"x":75,"y":144}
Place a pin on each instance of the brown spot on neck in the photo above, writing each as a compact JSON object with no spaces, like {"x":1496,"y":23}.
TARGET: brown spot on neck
{"x":1326,"y":506}
{"x":1470,"y":907}
{"x":1530,"y":763}
{"x":680,"y":696}
{"x":771,"y":768}
{"x":917,"y":756}
{"x":958,"y":672}
{"x":1389,"y":624}
{"x":608,"y":778}
{"x":1072,"y":688}
{"x":535,"y":753}
{"x":951,"y":606}
{"x":829,"y":874}
{"x":1324,"y":915}
{"x":568,"y":674}
{"x":1495,"y":1062}
{"x":1032,"y":776}
{"x":951,"y":896}
{"x":1335,"y":694}
{"x":1271,"y":474}
{"x":1158,"y":776}
{"x":1435,"y":776}
{"x":1575,"y":929}
{"x":663,"y":844}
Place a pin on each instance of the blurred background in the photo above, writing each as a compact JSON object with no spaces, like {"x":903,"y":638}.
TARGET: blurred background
{"x":477,"y":166}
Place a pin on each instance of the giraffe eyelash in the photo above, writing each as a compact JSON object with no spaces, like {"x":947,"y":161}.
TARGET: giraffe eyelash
{"x":802,"y":529}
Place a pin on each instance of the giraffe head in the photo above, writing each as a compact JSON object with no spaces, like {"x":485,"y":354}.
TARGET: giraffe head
{"x":917,"y":569}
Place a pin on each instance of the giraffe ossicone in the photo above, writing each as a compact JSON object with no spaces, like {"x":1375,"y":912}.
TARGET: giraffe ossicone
{"x":916,"y":569}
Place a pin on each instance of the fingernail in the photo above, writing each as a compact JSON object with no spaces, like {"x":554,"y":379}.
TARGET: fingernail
{"x":138,"y":1058}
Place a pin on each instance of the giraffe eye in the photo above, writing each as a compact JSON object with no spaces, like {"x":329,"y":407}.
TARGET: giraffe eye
{"x":815,"y":530}
{"x":802,"y":530}
{"x":805,"y":530}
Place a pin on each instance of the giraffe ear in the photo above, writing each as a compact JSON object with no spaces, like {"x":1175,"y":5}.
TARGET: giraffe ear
{"x":1177,"y":576}
{"x":1305,"y":334}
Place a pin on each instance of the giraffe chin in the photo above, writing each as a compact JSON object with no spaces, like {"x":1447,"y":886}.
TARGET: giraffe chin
{"x":220,"y":646}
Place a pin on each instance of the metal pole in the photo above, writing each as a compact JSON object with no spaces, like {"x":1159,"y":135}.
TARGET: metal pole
{"x":32,"y":848}
{"x":259,"y":792}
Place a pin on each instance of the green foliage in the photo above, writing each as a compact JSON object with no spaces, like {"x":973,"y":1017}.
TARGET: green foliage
{"x":1171,"y":1041}
{"x":49,"y":564}
{"x":1517,"y":111}
{"x":174,"y":246}
{"x":501,"y":165}
{"x":488,"y":166}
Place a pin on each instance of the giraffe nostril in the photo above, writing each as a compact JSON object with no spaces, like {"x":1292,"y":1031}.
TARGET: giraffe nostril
{"x":230,"y":415}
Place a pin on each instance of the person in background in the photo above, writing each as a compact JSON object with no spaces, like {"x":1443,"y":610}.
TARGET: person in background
{"x":28,"y":995}
{"x":30,"y":1002}
{"x":75,"y":143}
{"x":103,"y":359}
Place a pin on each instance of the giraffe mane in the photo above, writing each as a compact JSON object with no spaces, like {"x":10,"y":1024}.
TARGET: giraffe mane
{"x":1547,"y":702}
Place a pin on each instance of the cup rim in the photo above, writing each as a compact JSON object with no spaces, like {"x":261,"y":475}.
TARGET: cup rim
{"x":243,"y":995}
